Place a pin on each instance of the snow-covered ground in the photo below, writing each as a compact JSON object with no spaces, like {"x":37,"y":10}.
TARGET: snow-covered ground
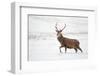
{"x":43,"y":43}
{"x":48,"y":49}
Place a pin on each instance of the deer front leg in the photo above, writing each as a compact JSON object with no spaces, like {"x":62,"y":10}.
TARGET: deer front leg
{"x":60,"y":48}
{"x":65,"y":49}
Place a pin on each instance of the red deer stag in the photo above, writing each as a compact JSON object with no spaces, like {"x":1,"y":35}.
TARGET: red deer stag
{"x":67,"y":42}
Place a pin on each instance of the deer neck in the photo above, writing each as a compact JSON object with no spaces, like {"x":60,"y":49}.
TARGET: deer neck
{"x":60,"y":38}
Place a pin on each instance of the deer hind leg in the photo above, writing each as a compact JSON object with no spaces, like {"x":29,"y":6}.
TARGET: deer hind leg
{"x":75,"y":50}
{"x":80,"y":49}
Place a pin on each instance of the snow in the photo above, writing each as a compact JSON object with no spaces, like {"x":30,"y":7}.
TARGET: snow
{"x":48,"y":49}
{"x":43,"y":43}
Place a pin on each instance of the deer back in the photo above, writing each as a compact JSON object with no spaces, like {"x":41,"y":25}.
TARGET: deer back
{"x":70,"y":43}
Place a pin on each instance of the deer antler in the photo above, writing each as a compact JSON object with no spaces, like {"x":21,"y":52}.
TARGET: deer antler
{"x":56,"y":26}
{"x":64,"y":27}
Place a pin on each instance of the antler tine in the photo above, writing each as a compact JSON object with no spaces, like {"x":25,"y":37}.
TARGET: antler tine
{"x":56,"y":26}
{"x":64,"y":27}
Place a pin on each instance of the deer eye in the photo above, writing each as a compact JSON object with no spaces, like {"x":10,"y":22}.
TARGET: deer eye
{"x":57,"y":34}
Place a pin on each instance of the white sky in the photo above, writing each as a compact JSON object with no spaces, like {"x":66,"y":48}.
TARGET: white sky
{"x":47,"y":24}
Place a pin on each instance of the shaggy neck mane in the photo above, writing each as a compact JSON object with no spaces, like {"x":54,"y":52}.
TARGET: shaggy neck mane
{"x":60,"y":38}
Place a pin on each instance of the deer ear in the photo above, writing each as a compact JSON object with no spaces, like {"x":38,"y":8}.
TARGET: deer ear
{"x":56,"y":30}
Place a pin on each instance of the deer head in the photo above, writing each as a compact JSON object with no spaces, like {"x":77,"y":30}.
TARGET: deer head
{"x":59,"y":34}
